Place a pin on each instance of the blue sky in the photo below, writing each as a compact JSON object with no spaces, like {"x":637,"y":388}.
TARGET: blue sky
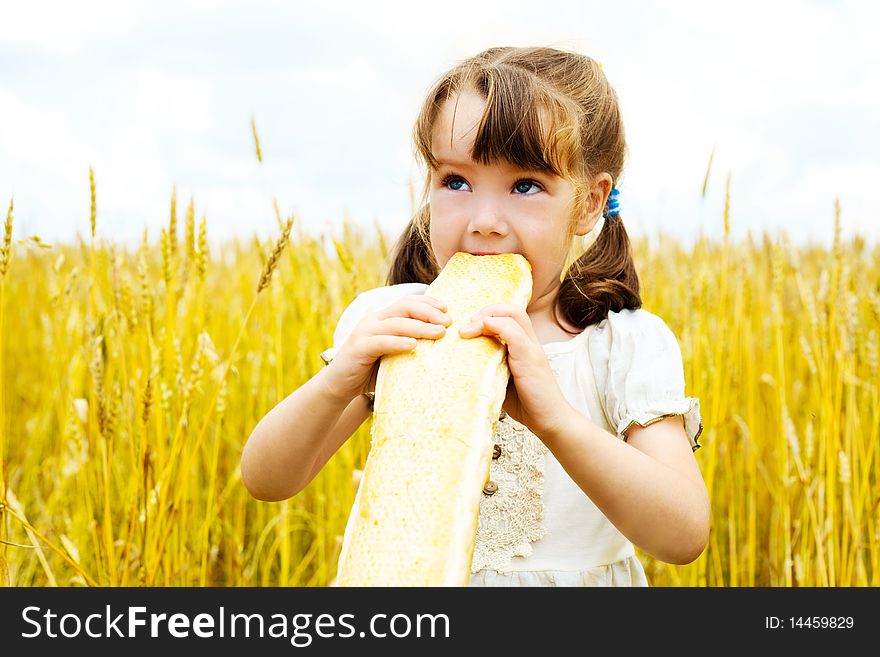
{"x":155,"y":94}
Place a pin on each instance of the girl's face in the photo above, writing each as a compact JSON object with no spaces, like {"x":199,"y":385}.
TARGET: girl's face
{"x":496,"y":209}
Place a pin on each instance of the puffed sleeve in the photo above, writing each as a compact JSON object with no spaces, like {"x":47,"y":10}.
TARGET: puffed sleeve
{"x":367,"y":302}
{"x":639,"y":372}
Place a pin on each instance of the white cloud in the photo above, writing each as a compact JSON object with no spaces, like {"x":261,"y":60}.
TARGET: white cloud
{"x":162,"y":94}
{"x":55,"y":28}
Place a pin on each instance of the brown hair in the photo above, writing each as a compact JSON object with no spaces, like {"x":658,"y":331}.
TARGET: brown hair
{"x":585,"y":137}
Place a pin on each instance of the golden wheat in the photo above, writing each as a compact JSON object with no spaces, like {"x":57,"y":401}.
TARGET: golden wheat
{"x":6,"y":249}
{"x":272,"y":262}
{"x":134,"y":412}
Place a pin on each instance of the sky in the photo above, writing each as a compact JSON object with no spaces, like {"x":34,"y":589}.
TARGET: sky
{"x":159,"y":95}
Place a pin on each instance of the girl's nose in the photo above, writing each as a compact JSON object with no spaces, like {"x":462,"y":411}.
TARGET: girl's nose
{"x":489,"y":218}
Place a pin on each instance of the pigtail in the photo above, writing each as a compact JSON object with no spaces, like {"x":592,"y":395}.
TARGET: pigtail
{"x":411,"y":259}
{"x":603,"y":278}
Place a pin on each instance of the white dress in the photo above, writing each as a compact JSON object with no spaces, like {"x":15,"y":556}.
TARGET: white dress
{"x":539,"y":528}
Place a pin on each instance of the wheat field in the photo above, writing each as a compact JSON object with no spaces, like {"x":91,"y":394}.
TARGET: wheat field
{"x":131,"y":378}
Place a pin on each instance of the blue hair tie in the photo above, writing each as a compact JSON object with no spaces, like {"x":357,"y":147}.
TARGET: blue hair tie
{"x":612,"y":206}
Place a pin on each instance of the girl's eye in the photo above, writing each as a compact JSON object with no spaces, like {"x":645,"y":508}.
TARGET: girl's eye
{"x":452,"y":180}
{"x":522,"y":186}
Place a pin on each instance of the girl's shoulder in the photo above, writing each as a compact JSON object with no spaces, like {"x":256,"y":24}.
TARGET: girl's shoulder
{"x":639,"y":372}
{"x":634,"y":336}
{"x":387,"y":294}
{"x":380,"y":297}
{"x":634,"y":341}
{"x":634,"y":322}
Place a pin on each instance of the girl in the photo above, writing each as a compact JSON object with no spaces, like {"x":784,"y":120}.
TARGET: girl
{"x":524,"y":148}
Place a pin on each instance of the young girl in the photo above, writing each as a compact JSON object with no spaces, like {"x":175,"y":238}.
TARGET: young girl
{"x":594,"y":448}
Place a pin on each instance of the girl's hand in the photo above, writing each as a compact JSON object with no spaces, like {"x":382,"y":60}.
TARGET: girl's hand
{"x":533,"y":396}
{"x":388,"y":331}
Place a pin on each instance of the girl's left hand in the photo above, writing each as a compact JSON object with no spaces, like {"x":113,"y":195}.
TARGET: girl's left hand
{"x":533,"y":396}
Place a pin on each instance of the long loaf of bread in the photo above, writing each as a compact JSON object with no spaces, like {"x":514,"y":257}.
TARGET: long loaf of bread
{"x":415,"y":514}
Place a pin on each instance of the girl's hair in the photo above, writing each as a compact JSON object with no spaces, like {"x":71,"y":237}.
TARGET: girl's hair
{"x":584,"y":137}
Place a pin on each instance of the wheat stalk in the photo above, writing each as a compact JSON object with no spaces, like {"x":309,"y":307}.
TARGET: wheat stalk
{"x":93,"y":207}
{"x":202,"y":253}
{"x":189,"y":229}
{"x":272,"y":262}
{"x":6,"y":249}
{"x":256,"y":140}
{"x":172,"y":222}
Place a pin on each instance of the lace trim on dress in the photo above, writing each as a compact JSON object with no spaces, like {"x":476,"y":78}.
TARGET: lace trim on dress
{"x":690,"y":414}
{"x":696,"y":445}
{"x":511,"y":517}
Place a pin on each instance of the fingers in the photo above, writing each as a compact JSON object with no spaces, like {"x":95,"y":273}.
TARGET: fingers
{"x":483,"y":326}
{"x":497,"y":318}
{"x":414,"y":328}
{"x":436,"y":302}
{"x":397,"y":328}
{"x":416,"y":316}
{"x":399,"y":335}
{"x":380,"y":345}
{"x":393,"y":330}
{"x":501,"y":310}
{"x":419,"y":307}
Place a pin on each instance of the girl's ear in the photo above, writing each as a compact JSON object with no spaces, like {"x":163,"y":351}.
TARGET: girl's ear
{"x":595,"y":203}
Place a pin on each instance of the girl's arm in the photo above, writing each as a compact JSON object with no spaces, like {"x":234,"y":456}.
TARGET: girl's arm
{"x":283,"y":452}
{"x":295,"y":439}
{"x":649,"y":487}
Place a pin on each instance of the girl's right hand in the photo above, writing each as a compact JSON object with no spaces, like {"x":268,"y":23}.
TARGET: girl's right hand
{"x":388,"y":331}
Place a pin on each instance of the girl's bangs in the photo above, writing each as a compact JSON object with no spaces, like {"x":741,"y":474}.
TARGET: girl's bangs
{"x":521,"y":124}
